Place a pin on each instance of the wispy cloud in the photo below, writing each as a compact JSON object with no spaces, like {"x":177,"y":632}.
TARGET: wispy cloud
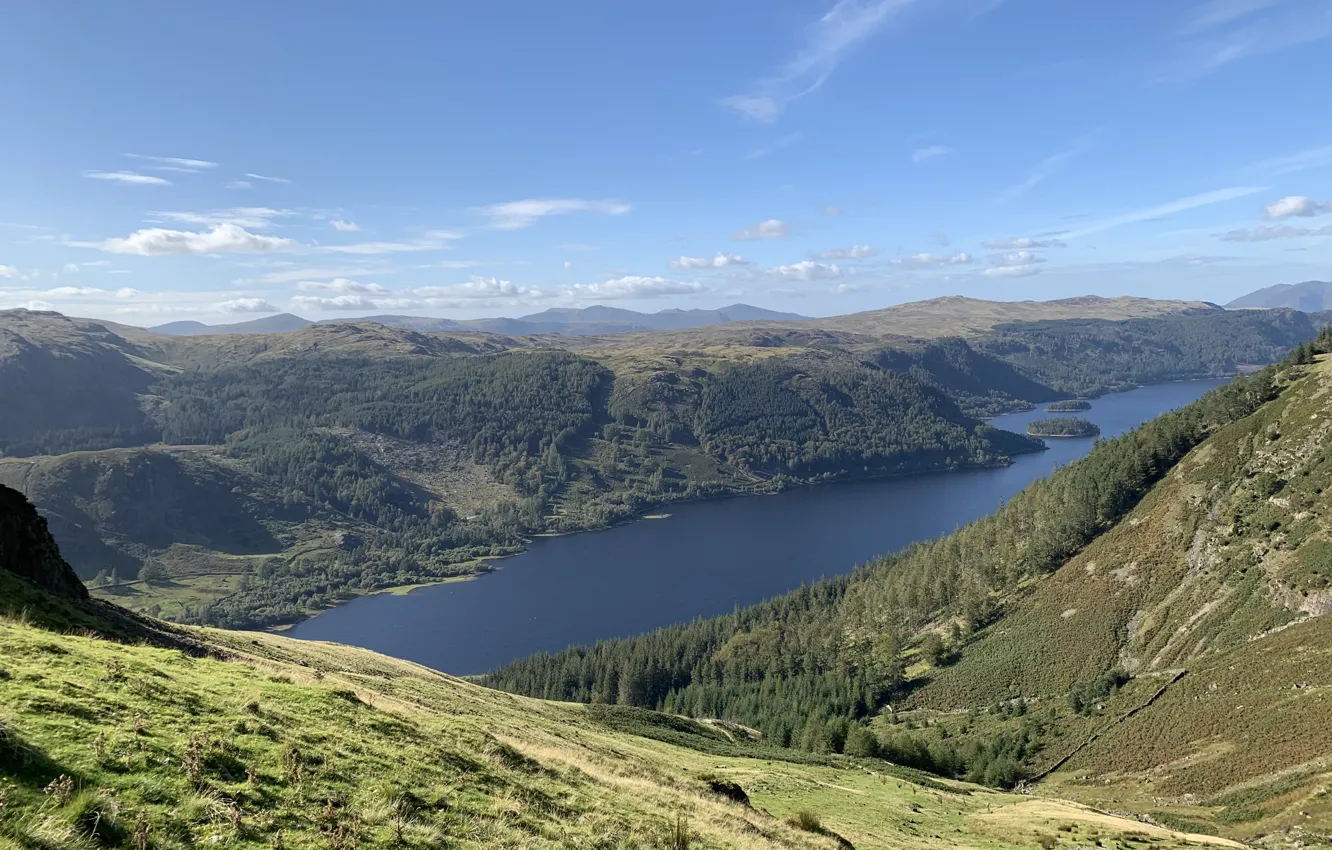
{"x":1224,"y":31}
{"x":345,"y":226}
{"x":1021,"y":243}
{"x":342,"y":284}
{"x":266,"y":178}
{"x":1264,"y":234}
{"x":932,"y":261}
{"x":129,"y":178}
{"x":1016,"y":258}
{"x":173,"y":163}
{"x":252,"y":217}
{"x":1042,"y":172}
{"x":1026,"y":270}
{"x":1300,"y":161}
{"x":516,"y":215}
{"x":239,"y":184}
{"x":431,"y":240}
{"x":1161,"y":210}
{"x":853,"y":252}
{"x":920,"y":155}
{"x":770,"y":229}
{"x":634,"y":286}
{"x":847,"y":25}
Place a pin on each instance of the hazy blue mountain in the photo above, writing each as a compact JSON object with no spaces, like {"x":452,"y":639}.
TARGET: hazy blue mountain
{"x":1309,"y":296}
{"x":281,"y":323}
{"x":597,"y":319}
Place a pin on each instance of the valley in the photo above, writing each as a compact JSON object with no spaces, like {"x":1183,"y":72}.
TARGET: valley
{"x":343,"y":459}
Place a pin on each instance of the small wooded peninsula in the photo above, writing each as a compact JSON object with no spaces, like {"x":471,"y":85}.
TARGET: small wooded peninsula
{"x":1068,"y":405}
{"x":1063,"y":426}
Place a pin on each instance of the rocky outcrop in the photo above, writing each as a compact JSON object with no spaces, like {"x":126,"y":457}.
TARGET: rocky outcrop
{"x":28,"y":550}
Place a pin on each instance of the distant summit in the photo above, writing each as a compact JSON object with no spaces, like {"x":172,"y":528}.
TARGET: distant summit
{"x":1309,"y":297}
{"x":281,"y":323}
{"x":585,"y":321}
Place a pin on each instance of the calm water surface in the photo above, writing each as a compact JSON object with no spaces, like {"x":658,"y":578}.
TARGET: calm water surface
{"x":707,"y":558}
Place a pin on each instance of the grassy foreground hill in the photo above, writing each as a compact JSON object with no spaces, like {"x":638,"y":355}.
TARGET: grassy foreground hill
{"x":117,"y":731}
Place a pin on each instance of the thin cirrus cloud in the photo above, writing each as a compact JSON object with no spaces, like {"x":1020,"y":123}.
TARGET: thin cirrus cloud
{"x":1264,"y":234}
{"x":932,"y":261}
{"x":172,"y":163}
{"x":920,"y":155}
{"x":1021,"y":243}
{"x":852,"y":252}
{"x":1162,"y":210}
{"x":1298,"y":161}
{"x":516,"y":215}
{"x":720,"y":260}
{"x":239,"y":184}
{"x":770,"y":229}
{"x":431,"y":240}
{"x":1012,"y":271}
{"x":1293,"y":206}
{"x":844,"y":27}
{"x":349,"y":302}
{"x":224,"y":238}
{"x":255,"y":218}
{"x":1225,"y":31}
{"x":266,"y":178}
{"x":1044,"y":169}
{"x":127,"y":178}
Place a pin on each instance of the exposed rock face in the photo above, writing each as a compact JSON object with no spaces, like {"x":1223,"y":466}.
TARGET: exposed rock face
{"x":28,"y":550}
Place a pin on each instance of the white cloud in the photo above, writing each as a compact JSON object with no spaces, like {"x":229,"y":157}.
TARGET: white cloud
{"x":568,"y":264}
{"x":515,"y":215}
{"x":479,"y":288}
{"x":126,"y":292}
{"x":848,"y":24}
{"x":847,"y":288}
{"x":854,"y":252}
{"x":239,"y":184}
{"x":919,"y":155}
{"x":1017,"y":258}
{"x":634,"y":286}
{"x":1263,"y":234}
{"x":174,"y":163}
{"x":128,"y":178}
{"x":70,"y":292}
{"x":9,"y":272}
{"x":1021,"y":243}
{"x":343,"y":302}
{"x":247,"y":305}
{"x":341,"y":284}
{"x":70,"y":268}
{"x":255,"y":218}
{"x":1013,"y":271}
{"x":1295,"y":205}
{"x":721,"y":260}
{"x":268,"y":179}
{"x":293,"y":275}
{"x":806,"y":270}
{"x":345,"y":226}
{"x":222,"y":239}
{"x":770,"y":229}
{"x":932,"y":261}
{"x":37,"y":305}
{"x":1170,"y":208}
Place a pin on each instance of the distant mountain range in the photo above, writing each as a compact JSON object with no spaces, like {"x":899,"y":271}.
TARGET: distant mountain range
{"x":1310,"y":297}
{"x":571,"y":322}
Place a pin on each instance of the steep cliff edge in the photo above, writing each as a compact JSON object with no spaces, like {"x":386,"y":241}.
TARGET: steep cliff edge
{"x":28,"y":550}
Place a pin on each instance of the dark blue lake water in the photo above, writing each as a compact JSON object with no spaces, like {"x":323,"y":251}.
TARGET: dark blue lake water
{"x":705,"y":559}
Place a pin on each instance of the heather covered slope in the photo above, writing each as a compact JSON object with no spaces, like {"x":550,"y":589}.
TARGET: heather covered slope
{"x":117,"y":734}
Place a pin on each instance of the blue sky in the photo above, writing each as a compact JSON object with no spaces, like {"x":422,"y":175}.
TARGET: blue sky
{"x":166,"y":160}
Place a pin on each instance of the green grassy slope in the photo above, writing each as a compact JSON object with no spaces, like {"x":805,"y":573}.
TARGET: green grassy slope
{"x":246,"y":740}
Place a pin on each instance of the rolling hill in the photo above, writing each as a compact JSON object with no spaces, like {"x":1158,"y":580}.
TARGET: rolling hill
{"x":1310,"y":296}
{"x":118,"y":731}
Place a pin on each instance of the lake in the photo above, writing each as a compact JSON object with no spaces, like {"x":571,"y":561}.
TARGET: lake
{"x":705,"y":559}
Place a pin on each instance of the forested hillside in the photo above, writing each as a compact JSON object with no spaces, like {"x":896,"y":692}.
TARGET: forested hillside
{"x":252,"y":479}
{"x":1147,"y":623}
{"x":118,"y":731}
